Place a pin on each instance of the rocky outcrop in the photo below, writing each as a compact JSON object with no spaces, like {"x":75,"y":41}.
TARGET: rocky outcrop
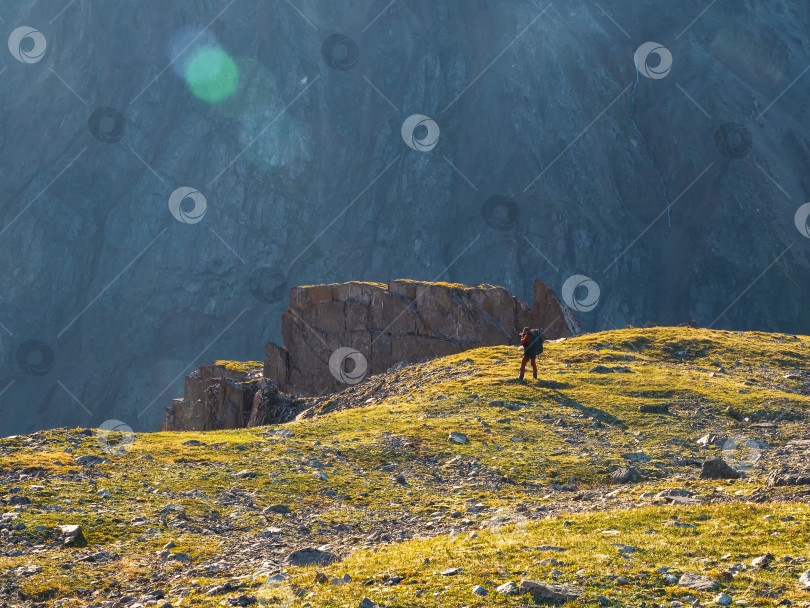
{"x":223,"y":397}
{"x":339,"y":334}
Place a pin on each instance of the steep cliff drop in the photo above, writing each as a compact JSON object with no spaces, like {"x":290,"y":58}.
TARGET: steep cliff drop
{"x":339,"y":335}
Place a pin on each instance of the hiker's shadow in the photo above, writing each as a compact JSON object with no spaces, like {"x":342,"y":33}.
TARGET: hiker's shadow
{"x":600,"y":415}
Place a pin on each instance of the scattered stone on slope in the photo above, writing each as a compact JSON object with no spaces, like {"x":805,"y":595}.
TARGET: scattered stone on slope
{"x":625,"y":475}
{"x":717,"y":468}
{"x":183,"y":558}
{"x":459,"y":438}
{"x":91,"y":459}
{"x":510,"y":588}
{"x":723,"y":600}
{"x":479,"y":590}
{"x":711,"y":439}
{"x":246,"y":474}
{"x":762,"y":561}
{"x":678,"y":524}
{"x":639,"y":457}
{"x":551,"y":591}
{"x":804,"y":581}
{"x":309,"y":556}
{"x":72,"y":535}
{"x":779,"y":478}
{"x":697,"y":582}
{"x":277,"y":509}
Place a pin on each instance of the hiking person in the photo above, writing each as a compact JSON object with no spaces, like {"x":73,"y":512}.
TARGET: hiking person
{"x":532,"y":341}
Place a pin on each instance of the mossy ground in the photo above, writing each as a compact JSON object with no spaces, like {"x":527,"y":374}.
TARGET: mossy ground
{"x":515,"y":456}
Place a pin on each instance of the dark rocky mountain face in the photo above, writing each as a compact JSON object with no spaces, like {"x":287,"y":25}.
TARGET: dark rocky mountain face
{"x":169,"y":170}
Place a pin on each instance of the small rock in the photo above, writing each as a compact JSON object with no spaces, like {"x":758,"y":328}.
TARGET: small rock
{"x":309,"y":556}
{"x":459,"y":438}
{"x":479,"y":590}
{"x":321,"y":578}
{"x":551,"y":591}
{"x":183,"y":558}
{"x":279,"y":509}
{"x":698,"y":582}
{"x":169,"y":545}
{"x":451,"y":572}
{"x":711,"y":439}
{"x":246,"y":474}
{"x":804,"y":581}
{"x":367,"y":603}
{"x":509,"y":588}
{"x":193,"y":442}
{"x":625,"y":475}
{"x":92,"y":459}
{"x":320,"y":475}
{"x":718,"y":469}
{"x":72,"y":535}
{"x":678,"y":524}
{"x":723,"y":599}
{"x":640,"y":457}
{"x":763,"y":561}
{"x":27,"y":570}
{"x":400,"y":479}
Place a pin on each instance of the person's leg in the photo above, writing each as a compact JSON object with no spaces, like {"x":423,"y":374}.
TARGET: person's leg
{"x":523,"y":367}
{"x":534,"y":367}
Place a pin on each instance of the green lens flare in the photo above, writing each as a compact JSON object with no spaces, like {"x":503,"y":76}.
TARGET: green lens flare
{"x":212,"y":75}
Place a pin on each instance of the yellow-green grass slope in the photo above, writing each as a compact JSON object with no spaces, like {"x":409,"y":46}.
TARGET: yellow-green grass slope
{"x":572,"y":426}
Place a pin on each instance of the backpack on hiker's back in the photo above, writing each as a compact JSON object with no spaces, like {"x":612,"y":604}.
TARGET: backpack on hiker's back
{"x":535,"y":346}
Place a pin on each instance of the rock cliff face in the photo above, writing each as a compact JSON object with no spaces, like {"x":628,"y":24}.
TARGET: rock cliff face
{"x":341,"y":334}
{"x":545,"y":132}
{"x":338,"y":334}
{"x":216,"y":397}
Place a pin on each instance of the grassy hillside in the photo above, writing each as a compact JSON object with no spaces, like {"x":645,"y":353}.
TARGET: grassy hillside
{"x":416,"y":519}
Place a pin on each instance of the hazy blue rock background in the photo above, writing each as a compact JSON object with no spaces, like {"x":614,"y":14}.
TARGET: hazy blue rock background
{"x":187,"y":298}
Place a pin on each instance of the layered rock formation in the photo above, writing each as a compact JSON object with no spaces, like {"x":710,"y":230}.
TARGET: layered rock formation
{"x":338,"y":334}
{"x":220,"y":397}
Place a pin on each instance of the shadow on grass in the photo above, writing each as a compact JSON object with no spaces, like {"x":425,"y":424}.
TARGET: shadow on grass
{"x":600,"y":415}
